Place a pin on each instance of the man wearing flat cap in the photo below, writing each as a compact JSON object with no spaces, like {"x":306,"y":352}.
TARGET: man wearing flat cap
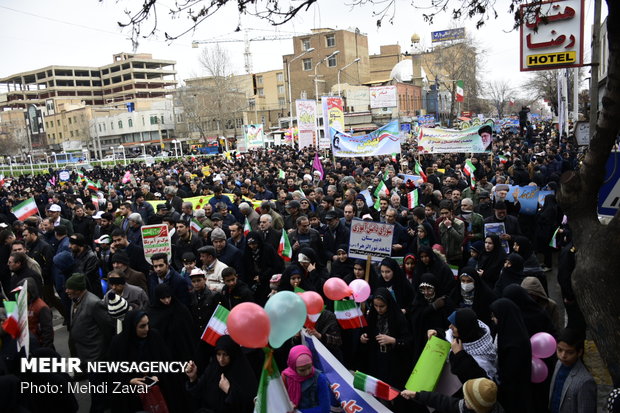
{"x":120,"y":262}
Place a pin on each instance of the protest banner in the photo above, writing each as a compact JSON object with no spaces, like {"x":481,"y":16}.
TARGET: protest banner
{"x":333,"y":116}
{"x":156,"y":239}
{"x":253,"y":135}
{"x":382,"y":141}
{"x":341,"y":380}
{"x":440,"y":140}
{"x":383,"y":97}
{"x":528,"y":197}
{"x":427,"y":370}
{"x":23,"y":341}
{"x":370,"y":238}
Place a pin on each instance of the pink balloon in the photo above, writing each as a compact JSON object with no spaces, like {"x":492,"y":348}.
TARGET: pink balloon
{"x":543,"y":345}
{"x":539,"y":370}
{"x":361,"y":290}
{"x":248,"y":324}
{"x":313,"y":300}
{"x":336,"y":289}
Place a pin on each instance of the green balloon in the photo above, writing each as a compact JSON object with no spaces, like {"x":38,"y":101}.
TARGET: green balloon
{"x":287,"y":314}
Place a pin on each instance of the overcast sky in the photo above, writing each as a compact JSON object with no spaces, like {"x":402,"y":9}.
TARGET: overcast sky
{"x":39,"y":33}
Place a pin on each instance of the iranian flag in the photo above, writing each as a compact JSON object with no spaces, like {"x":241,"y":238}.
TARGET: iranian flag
{"x":381,"y":189}
{"x":216,"y":327}
{"x":272,"y":396}
{"x":418,"y":170}
{"x":281,"y":174}
{"x":553,"y":243}
{"x":394,"y":157}
{"x":91,"y":185}
{"x":195,"y":225}
{"x":412,"y":199}
{"x":25,"y":209}
{"x":11,"y":324}
{"x":246,"y":226}
{"x":473,"y":181}
{"x":469,"y":168}
{"x":348,"y":314}
{"x":459,"y":94}
{"x":374,"y":386}
{"x":502,"y":159}
{"x":284,"y":248}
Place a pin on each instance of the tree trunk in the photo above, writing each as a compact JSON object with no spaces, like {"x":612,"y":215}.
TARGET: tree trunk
{"x":596,"y":280}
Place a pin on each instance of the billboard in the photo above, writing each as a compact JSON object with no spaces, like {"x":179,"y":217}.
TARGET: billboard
{"x":306,"y":122}
{"x":383,"y":97}
{"x":333,"y":117}
{"x":253,"y":135}
{"x":446,"y":35}
{"x":552,"y":35}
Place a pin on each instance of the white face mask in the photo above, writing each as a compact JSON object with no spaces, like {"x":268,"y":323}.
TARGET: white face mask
{"x":467,"y":287}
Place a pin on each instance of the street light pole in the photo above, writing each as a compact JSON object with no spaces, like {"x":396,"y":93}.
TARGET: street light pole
{"x":11,"y":165}
{"x":122,"y":148}
{"x":288,"y":76}
{"x":316,"y":96}
{"x":340,"y":70}
{"x":31,"y":165}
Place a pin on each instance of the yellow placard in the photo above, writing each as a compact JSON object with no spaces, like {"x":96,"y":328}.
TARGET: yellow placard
{"x":552,"y":59}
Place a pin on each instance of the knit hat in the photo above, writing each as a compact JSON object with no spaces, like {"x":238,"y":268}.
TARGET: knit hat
{"x":120,"y":257}
{"x":117,"y":305}
{"x":480,"y":394}
{"x":76,"y":282}
{"x":477,"y":246}
{"x":218,"y":233}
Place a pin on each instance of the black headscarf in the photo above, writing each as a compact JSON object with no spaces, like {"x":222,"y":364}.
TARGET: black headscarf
{"x":466,"y":321}
{"x":482,"y":298}
{"x":403,"y":293}
{"x":511,"y":330}
{"x":535,"y":318}
{"x":525,"y":246}
{"x":445,"y":279}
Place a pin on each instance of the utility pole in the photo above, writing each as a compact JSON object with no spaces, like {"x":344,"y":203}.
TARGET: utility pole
{"x":596,"y":57}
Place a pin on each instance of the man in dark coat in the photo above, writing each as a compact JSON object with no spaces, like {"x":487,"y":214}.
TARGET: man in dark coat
{"x":86,"y":262}
{"x":18,"y":264}
{"x":164,"y":274}
{"x":235,"y":291}
{"x":227,"y":253}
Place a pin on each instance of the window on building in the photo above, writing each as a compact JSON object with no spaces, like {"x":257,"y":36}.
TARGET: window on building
{"x":281,"y":90}
{"x":58,"y":122}
{"x":262,"y":119}
{"x":331,"y":62}
{"x":330,"y":40}
{"x":281,"y":102}
{"x":59,"y":135}
{"x":130,"y":123}
{"x":74,"y":119}
{"x":280,"y":77}
{"x":261,"y":91}
{"x":99,"y":127}
{"x":162,"y":119}
{"x":259,"y":80}
{"x":69,"y":120}
{"x":307,"y":64}
{"x":143,"y":121}
{"x":251,"y":104}
{"x":46,"y":125}
{"x":305,"y":43}
{"x":72,"y":134}
{"x":111,"y":125}
{"x":239,"y":122}
{"x":120,"y":124}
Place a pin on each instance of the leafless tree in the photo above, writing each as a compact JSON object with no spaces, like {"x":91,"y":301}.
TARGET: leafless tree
{"x":499,"y":93}
{"x":544,"y":85}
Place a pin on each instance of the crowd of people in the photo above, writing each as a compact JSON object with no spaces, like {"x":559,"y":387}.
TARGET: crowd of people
{"x":83,"y":256}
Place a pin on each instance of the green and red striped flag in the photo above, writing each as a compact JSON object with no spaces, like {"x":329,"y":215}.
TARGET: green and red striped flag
{"x":92,"y":185}
{"x":348,"y":314}
{"x":419,"y":171}
{"x":25,"y":209}
{"x":195,"y":225}
{"x":11,"y":324}
{"x":284,"y":248}
{"x":246,"y":226}
{"x":554,"y":241}
{"x":374,"y":386}
{"x":216,"y":327}
{"x":412,"y":199}
{"x":272,"y":396}
{"x":381,"y":189}
{"x":502,"y":159}
{"x":281,"y":174}
{"x":473,"y":181}
{"x":469,"y":168}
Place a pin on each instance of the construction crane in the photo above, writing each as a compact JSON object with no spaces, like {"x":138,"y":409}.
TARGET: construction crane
{"x":247,"y":54}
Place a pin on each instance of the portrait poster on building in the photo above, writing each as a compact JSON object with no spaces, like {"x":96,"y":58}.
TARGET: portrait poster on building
{"x":382,"y":141}
{"x":333,"y":116}
{"x":306,"y":122}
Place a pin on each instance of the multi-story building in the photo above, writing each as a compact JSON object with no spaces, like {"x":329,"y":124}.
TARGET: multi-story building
{"x":350,"y":45}
{"x":381,"y":64}
{"x":130,"y":76}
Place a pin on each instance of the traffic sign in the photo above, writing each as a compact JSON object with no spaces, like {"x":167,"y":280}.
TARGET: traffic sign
{"x":609,"y":194}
